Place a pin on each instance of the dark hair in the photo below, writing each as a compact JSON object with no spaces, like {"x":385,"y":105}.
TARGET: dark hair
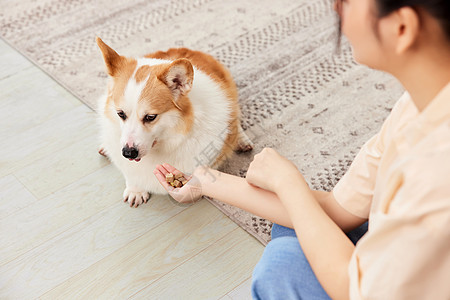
{"x":439,"y":9}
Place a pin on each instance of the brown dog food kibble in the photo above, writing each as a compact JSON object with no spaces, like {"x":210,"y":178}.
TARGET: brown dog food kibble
{"x":169,"y":177}
{"x":176,"y":181}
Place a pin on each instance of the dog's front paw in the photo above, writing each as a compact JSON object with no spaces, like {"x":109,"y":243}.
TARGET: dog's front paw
{"x":135,"y":198}
{"x":244,"y":144}
{"x":102,"y":151}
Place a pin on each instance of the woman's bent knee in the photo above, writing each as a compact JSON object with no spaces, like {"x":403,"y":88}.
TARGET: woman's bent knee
{"x":283,"y":272}
{"x":275,"y":274}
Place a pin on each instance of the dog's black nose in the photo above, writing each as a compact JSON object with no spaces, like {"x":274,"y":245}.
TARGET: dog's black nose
{"x":130,"y":153}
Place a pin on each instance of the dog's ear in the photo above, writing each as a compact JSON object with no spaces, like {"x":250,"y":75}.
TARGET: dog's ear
{"x":178,"y":77}
{"x":113,"y":60}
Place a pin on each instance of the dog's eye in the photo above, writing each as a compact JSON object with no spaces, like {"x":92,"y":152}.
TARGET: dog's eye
{"x":122,"y":115}
{"x":149,"y":118}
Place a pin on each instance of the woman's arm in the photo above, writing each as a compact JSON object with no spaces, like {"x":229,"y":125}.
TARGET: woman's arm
{"x":325,"y":245}
{"x":344,"y":219}
{"x":236,"y":191}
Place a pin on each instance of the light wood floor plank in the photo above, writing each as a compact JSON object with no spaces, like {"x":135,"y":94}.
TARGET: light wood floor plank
{"x":62,"y":257}
{"x":56,"y":170}
{"x":13,"y":196}
{"x":210,"y":274}
{"x":149,"y":257}
{"x":49,"y":137}
{"x":26,"y":107}
{"x":11,"y":61}
{"x":56,"y":213}
{"x":242,"y":291}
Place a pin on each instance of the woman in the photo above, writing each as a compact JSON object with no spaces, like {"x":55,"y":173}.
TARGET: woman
{"x":398,"y":181}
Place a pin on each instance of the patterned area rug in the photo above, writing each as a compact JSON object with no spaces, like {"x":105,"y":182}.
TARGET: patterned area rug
{"x":297,"y":95}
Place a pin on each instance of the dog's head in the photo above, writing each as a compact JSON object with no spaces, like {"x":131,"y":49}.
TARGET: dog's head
{"x":149,"y":101}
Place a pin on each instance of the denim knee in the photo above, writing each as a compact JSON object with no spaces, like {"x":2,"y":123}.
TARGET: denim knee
{"x":279,"y":231}
{"x":284,"y":273}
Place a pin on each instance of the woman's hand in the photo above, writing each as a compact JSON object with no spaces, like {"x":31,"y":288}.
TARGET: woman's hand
{"x":189,"y":193}
{"x":271,"y":171}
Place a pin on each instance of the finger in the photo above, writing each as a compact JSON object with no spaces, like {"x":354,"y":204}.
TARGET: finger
{"x":166,"y":168}
{"x":162,"y":179}
{"x":163,"y":170}
{"x":166,"y":171}
{"x":172,"y":169}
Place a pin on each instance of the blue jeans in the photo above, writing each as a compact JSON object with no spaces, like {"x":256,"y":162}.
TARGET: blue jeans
{"x":283,"y":271}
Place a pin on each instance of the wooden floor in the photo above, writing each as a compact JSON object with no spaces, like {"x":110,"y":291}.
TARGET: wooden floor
{"x":66,"y":234}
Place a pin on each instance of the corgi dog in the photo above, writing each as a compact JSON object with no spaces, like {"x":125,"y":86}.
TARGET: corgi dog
{"x":178,"y":107}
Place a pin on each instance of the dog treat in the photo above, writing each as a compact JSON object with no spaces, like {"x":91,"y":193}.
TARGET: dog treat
{"x":169,"y":178}
{"x":176,"y":181}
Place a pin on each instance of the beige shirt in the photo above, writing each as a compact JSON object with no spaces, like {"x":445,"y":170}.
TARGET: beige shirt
{"x":400,"y":180}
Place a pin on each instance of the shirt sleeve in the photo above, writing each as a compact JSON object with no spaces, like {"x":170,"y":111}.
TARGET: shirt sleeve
{"x":354,"y":191}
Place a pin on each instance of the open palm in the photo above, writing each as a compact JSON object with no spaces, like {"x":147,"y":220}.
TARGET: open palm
{"x":189,"y":193}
